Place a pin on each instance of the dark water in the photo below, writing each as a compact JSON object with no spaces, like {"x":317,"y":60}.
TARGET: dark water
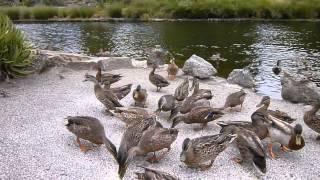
{"x":257,"y":45}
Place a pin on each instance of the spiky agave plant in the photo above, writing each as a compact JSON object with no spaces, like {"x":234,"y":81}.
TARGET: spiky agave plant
{"x":15,"y":52}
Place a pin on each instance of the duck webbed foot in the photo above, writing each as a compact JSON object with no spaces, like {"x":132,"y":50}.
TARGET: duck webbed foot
{"x":83,"y":148}
{"x":284,"y":148}
{"x":153,"y":159}
{"x":237,"y":160}
{"x":272,"y":155}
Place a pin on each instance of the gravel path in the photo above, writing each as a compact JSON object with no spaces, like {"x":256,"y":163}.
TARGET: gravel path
{"x":34,"y":143}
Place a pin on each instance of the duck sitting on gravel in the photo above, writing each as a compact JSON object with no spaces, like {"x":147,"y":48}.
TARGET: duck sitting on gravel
{"x":153,"y":174}
{"x":249,"y":145}
{"x":106,"y":97}
{"x":140,"y":96}
{"x":172,"y":70}
{"x":167,"y":103}
{"x":103,"y":77}
{"x":182,"y":91}
{"x":130,"y":139}
{"x":89,"y":128}
{"x":157,"y":79}
{"x":202,"y":151}
{"x":312,"y":120}
{"x":235,"y":99}
{"x":131,"y":115}
{"x":121,"y":91}
{"x":203,"y":93}
{"x":201,"y":115}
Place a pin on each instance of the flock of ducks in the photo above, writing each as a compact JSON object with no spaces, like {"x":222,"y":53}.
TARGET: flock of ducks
{"x":144,"y":134}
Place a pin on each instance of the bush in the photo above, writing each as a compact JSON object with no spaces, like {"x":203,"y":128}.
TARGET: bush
{"x":12,"y":12}
{"x":115,"y":10}
{"x":82,"y":12}
{"x":44,"y":13}
{"x":15,"y":51}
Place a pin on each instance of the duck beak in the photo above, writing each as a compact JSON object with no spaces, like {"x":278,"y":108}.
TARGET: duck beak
{"x":298,"y":139}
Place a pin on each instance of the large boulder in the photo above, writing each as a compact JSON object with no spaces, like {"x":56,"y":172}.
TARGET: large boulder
{"x":298,"y":89}
{"x":198,"y":67}
{"x":242,"y":77}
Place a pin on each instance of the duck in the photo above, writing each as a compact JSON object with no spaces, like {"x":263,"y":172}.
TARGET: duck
{"x":90,"y":129}
{"x":103,"y":77}
{"x":235,"y":99}
{"x":131,"y":115}
{"x":289,"y":137}
{"x":152,"y":140}
{"x":120,"y":92}
{"x":191,"y":102}
{"x":140,"y":96}
{"x":157,"y":79}
{"x":265,"y":102}
{"x":153,"y":174}
{"x":167,"y":103}
{"x":203,"y":93}
{"x":106,"y":97}
{"x":201,"y":114}
{"x":202,"y":151}
{"x":277,"y":69}
{"x":249,"y":146}
{"x":130,"y":139}
{"x":312,"y":120}
{"x":172,"y":70}
{"x":182,"y":91}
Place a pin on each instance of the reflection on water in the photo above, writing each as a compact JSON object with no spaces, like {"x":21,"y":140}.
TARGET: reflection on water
{"x":257,"y":45}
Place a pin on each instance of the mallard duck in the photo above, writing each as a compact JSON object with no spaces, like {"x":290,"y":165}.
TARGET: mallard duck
{"x":201,"y":115}
{"x":106,"y":97}
{"x":249,"y":145}
{"x":172,"y":70}
{"x":140,"y":96}
{"x":157,"y":80}
{"x":130,"y":139}
{"x":167,"y":103}
{"x":312,"y":120}
{"x":89,"y":128}
{"x":265,"y":102}
{"x":131,"y":115}
{"x":193,"y":101}
{"x":103,"y":77}
{"x":152,"y":140}
{"x":121,"y":91}
{"x":153,"y":174}
{"x":182,"y":90}
{"x":277,"y":69}
{"x":289,"y":137}
{"x":202,"y":151}
{"x":235,"y":99}
{"x":203,"y":93}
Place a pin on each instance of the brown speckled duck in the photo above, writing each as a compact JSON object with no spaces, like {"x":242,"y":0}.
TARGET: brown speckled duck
{"x":202,"y":151}
{"x":249,"y":145}
{"x":182,"y":90}
{"x":121,"y":91}
{"x":89,"y":128}
{"x":153,"y":174}
{"x":167,"y":103}
{"x":312,"y":120}
{"x":106,"y":97}
{"x":172,"y":70}
{"x":131,"y":115}
{"x":140,"y":96}
{"x":201,"y":115}
{"x":202,"y":93}
{"x":235,"y":99}
{"x":103,"y":77}
{"x":157,"y":80}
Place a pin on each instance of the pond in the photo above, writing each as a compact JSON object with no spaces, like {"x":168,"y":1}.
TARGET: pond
{"x":256,"y":45}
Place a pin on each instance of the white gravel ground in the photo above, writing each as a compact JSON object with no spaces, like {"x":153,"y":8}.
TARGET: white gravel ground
{"x":34,"y":143}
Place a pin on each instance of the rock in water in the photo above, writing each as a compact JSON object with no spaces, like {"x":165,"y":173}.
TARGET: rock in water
{"x":198,"y":67}
{"x":298,"y":89}
{"x":242,"y":77}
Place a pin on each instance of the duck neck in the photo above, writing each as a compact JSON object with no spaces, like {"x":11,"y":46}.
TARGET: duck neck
{"x":264,"y":108}
{"x":153,"y":70}
{"x":196,"y":88}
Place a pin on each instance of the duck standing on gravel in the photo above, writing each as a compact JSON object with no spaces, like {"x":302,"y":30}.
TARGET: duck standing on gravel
{"x":153,"y":174}
{"x":106,"y":97}
{"x":202,"y":151}
{"x":167,"y":103}
{"x":235,"y":99}
{"x":89,"y":128}
{"x":203,"y":93}
{"x":157,"y":79}
{"x":140,"y":96}
{"x":182,"y":91}
{"x":172,"y":70}
{"x":249,"y":145}
{"x":312,"y":120}
{"x":103,"y":77}
{"x":131,"y":115}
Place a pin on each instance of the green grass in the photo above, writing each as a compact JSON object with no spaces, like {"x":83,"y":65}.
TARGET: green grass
{"x":44,"y":13}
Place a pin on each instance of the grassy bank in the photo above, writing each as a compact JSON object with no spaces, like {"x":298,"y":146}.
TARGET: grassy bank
{"x":191,"y":9}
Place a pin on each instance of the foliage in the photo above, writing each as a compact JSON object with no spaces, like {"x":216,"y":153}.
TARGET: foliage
{"x":14,"y":50}
{"x":44,"y":12}
{"x":81,"y":12}
{"x":115,"y":9}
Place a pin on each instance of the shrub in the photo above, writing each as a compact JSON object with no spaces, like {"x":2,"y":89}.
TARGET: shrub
{"x":15,"y":51}
{"x":12,"y":12}
{"x":115,"y":9}
{"x":82,"y":12}
{"x":44,"y":13}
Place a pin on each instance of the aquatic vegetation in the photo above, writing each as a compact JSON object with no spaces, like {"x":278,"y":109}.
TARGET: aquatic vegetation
{"x":44,"y":12}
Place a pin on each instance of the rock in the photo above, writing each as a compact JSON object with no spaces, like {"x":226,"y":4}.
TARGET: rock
{"x":198,"y":67}
{"x":112,"y":63}
{"x":298,"y":89}
{"x":242,"y":77}
{"x":104,"y":54}
{"x":157,"y":56}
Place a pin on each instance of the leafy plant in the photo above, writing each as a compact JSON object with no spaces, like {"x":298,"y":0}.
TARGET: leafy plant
{"x":14,"y":50}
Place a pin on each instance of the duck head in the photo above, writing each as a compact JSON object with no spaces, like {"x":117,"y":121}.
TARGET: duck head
{"x":265,"y":101}
{"x":296,"y":142}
